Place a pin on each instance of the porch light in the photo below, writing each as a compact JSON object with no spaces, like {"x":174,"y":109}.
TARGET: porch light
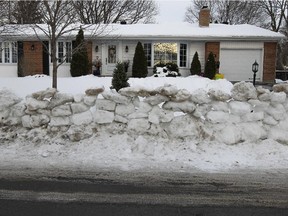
{"x":126,"y":49}
{"x":255,"y":67}
{"x":32,"y":47}
{"x":96,"y":48}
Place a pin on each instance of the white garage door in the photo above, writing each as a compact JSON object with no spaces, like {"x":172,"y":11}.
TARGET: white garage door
{"x":236,"y":64}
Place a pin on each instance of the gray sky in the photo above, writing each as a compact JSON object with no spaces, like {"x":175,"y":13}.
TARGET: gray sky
{"x":172,"y":10}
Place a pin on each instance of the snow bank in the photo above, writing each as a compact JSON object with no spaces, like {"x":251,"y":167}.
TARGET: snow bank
{"x":166,"y":123}
{"x":248,"y":114}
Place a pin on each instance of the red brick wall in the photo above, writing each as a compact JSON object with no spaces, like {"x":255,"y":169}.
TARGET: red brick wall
{"x":89,"y":52}
{"x":213,"y":47}
{"x":204,"y":17}
{"x":32,"y":62}
{"x":269,"y":67}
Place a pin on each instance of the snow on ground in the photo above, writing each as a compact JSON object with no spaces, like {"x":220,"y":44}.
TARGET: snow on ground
{"x":34,"y":149}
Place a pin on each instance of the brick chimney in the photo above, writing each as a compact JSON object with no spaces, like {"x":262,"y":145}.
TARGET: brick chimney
{"x":204,"y":17}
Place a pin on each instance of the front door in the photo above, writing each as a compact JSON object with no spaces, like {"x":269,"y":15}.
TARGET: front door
{"x":111,"y":59}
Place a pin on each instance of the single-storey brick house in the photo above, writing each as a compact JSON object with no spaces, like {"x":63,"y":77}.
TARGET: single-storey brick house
{"x":236,"y":47}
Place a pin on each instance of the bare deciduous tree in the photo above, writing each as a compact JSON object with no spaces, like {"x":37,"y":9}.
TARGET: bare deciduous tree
{"x":6,"y":12}
{"x":226,"y":11}
{"x":26,"y":12}
{"x":59,"y":18}
{"x":103,"y":11}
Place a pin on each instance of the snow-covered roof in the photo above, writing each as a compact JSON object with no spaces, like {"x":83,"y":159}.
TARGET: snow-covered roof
{"x":169,"y":31}
{"x":194,"y":31}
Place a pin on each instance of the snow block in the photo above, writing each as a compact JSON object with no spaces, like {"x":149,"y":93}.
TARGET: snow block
{"x":281,"y":87}
{"x":258,"y":106}
{"x":32,"y":104}
{"x":269,"y":120}
{"x":8,"y":99}
{"x":120,"y":119}
{"x":253,"y":132}
{"x":18,"y":110}
{"x":279,"y":135}
{"x":84,"y":118}
{"x":218,"y":95}
{"x":265,"y":97}
{"x":60,"y":99}
{"x":103,"y":104}
{"x":79,"y":108}
{"x":116,"y":97}
{"x":229,"y":135}
{"x":277,"y":111}
{"x":47,"y":94}
{"x":139,"y":126}
{"x":243,"y":91}
{"x":34,"y":121}
{"x":182,"y":95}
{"x":62,"y":110}
{"x":182,"y":127}
{"x":201,"y":111}
{"x":103,"y":117}
{"x":168,"y":90}
{"x":278,"y":97}
{"x":60,"y":121}
{"x":239,"y":108}
{"x":12,"y":121}
{"x":78,"y":98}
{"x":138,"y":114}
{"x":94,"y":91}
{"x":185,"y":106}
{"x":89,"y":100}
{"x":283,"y":124}
{"x":158,"y":115}
{"x":216,"y":117}
{"x":143,"y":107}
{"x":253,"y":117}
{"x":157,"y":99}
{"x":124,"y":110}
{"x":4,"y":115}
{"x":219,"y":106}
{"x":200,"y":96}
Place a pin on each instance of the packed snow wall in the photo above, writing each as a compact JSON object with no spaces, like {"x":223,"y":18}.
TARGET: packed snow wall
{"x":247,"y":114}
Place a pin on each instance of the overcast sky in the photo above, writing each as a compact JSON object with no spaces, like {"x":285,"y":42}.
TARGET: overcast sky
{"x":172,"y":10}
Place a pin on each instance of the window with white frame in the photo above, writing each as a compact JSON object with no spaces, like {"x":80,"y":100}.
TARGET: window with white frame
{"x":183,"y":55}
{"x":64,"y":51}
{"x":8,"y":52}
{"x":165,"y":52}
{"x":68,"y":49}
{"x":148,"y":53}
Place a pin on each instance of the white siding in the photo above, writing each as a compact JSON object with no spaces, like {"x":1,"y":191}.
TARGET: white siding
{"x":8,"y":70}
{"x":192,"y":48}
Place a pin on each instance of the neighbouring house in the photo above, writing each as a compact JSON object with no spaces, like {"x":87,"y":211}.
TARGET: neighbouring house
{"x":235,"y":47}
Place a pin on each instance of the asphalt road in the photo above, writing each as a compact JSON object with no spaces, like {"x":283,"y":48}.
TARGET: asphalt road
{"x":142,"y":193}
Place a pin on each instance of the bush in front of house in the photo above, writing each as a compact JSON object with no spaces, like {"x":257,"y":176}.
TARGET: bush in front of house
{"x":79,"y":63}
{"x":168,"y":69}
{"x":195,"y":65}
{"x":139,"y":67}
{"x":119,"y":79}
{"x":210,"y":67}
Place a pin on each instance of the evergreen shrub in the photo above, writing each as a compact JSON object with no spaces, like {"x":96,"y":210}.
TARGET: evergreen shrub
{"x":195,"y":65}
{"x":210,"y":67}
{"x":139,"y":67}
{"x":79,"y":63}
{"x":119,"y":79}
